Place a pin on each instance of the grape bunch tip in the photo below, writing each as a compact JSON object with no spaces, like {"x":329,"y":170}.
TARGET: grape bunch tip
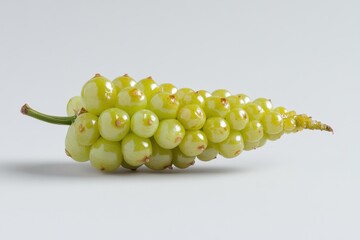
{"x":124,"y":123}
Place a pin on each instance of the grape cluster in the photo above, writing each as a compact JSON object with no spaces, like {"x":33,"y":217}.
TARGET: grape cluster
{"x":129,"y":124}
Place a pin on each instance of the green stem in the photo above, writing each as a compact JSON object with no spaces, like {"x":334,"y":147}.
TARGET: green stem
{"x":27,"y":110}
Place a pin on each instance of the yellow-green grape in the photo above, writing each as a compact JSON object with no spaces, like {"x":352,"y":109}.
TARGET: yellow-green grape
{"x":251,"y":145}
{"x":169,"y":133}
{"x":216,"y":107}
{"x":289,"y":124}
{"x":272,"y":123}
{"x":180,"y":160}
{"x":235,"y":101}
{"x":86,"y":129}
{"x":216,"y":129}
{"x":253,"y":131}
{"x":144,"y":123}
{"x":136,"y":150}
{"x":123,"y":82}
{"x":204,"y":94}
{"x":264,"y":103}
{"x":244,"y":98}
{"x":128,"y":166}
{"x":274,"y":137}
{"x":164,"y":105}
{"x":209,"y":153}
{"x":223,"y":93}
{"x":254,"y":111}
{"x":98,"y":94}
{"x":237,"y":118}
{"x":131,"y":100}
{"x":192,"y":117}
{"x":281,"y":110}
{"x":181,"y":92}
{"x":160,"y":159}
{"x":72,"y":147}
{"x":106,"y":155}
{"x":74,"y":105}
{"x":231,"y":146}
{"x":148,"y":86}
{"x":194,"y":143}
{"x":168,"y":87}
{"x":114,"y":124}
{"x":192,"y":98}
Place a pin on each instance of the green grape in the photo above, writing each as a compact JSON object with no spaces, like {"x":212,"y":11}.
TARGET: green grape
{"x":251,"y":145}
{"x":180,"y":160}
{"x":272,"y":123}
{"x":192,"y":117}
{"x":192,"y":98}
{"x":216,"y":107}
{"x":74,"y":106}
{"x":181,"y":92}
{"x":237,"y":118}
{"x":243,"y":98}
{"x":128,"y":166}
{"x":144,"y":123}
{"x":235,"y":101}
{"x":264,"y":103}
{"x":223,"y":93}
{"x":160,"y":159}
{"x":114,"y":124}
{"x":164,"y":105}
{"x":168,"y":87}
{"x":131,"y":100}
{"x":194,"y":143}
{"x":274,"y":137}
{"x":136,"y":150}
{"x":86,"y":129}
{"x":98,"y":94}
{"x":289,"y":124}
{"x":253,"y":131}
{"x":106,"y":155}
{"x":209,"y":153}
{"x":148,"y":86}
{"x":72,"y":147}
{"x":254,"y":111}
{"x":123,"y":82}
{"x":231,"y":146}
{"x":204,"y":94}
{"x":216,"y":129}
{"x":281,"y":110}
{"x":169,"y":133}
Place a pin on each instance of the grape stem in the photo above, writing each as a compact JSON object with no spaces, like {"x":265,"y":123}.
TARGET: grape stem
{"x":27,"y":110}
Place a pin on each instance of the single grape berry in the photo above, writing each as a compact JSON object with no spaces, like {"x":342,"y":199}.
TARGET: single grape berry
{"x":123,"y":82}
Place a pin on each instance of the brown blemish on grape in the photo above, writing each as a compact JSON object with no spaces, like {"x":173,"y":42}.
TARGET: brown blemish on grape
{"x":102,"y":169}
{"x":172,"y":98}
{"x":223,"y":101}
{"x":169,"y":167}
{"x":178,"y":139}
{"x":202,"y":147}
{"x":81,"y":111}
{"x":135,"y":93}
{"x":118,"y":123}
{"x":149,"y":77}
{"x":237,"y":152}
{"x":192,"y":163}
{"x":125,"y":75}
{"x":150,"y":122}
{"x":146,"y":159}
{"x":81,"y":128}
{"x":97,"y":75}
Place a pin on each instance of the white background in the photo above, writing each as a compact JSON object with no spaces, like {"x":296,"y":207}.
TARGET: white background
{"x":304,"y":55}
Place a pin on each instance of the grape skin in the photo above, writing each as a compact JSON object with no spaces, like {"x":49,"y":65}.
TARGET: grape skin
{"x":72,"y":147}
{"x":106,"y":155}
{"x":136,"y":150}
{"x":169,"y":133}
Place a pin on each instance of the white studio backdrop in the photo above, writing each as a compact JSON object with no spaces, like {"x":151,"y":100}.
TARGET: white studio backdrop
{"x":304,"y":55}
